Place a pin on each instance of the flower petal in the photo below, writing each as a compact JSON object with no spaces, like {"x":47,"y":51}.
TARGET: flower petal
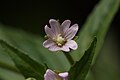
{"x":48,"y":43}
{"x":65,"y":48}
{"x":65,"y":26}
{"x":71,"y":32}
{"x":72,"y":44}
{"x":65,"y":74}
{"x":49,"y":32}
{"x":55,"y":26}
{"x":50,"y":75}
{"x":54,"y":48}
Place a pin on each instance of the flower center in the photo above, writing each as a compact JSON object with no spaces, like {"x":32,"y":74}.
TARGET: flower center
{"x":59,"y":40}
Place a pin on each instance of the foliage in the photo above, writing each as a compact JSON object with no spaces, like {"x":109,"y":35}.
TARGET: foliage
{"x":97,"y":25}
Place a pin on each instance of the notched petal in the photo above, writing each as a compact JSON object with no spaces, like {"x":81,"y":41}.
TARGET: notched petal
{"x":48,"y":43}
{"x":65,"y":26}
{"x":65,"y":48}
{"x":71,"y":32}
{"x":54,"y":48}
{"x":49,"y":32}
{"x":72,"y":44}
{"x":55,"y":26}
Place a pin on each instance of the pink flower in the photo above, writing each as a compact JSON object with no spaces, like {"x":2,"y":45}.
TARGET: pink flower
{"x":50,"y":75}
{"x":60,"y":36}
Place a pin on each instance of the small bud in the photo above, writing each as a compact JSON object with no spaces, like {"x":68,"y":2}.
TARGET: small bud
{"x":46,"y":37}
{"x":75,"y":38}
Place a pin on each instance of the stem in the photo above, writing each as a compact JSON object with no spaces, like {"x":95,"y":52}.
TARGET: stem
{"x":69,"y":58}
{"x":8,"y":67}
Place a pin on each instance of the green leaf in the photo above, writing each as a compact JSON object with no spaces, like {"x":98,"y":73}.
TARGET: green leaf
{"x":80,"y":69}
{"x":9,"y":75}
{"x":32,"y":44}
{"x":27,"y":66}
{"x":97,"y":25}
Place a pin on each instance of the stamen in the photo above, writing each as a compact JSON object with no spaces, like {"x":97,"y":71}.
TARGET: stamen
{"x":59,"y":40}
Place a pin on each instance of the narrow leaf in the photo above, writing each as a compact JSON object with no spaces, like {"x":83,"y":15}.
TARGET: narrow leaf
{"x":97,"y":25}
{"x":80,"y":69}
{"x":32,"y":44}
{"x":27,"y":66}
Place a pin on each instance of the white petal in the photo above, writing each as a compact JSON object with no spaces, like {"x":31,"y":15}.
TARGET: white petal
{"x":65,"y":26}
{"x":71,"y":32}
{"x":72,"y":44}
{"x":65,"y":74}
{"x":54,"y":48}
{"x":49,"y":32}
{"x":48,"y":43}
{"x":65,"y":48}
{"x":55,"y":26}
{"x":50,"y":75}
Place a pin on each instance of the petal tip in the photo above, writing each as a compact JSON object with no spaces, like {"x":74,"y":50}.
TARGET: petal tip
{"x":67,"y":20}
{"x":76,"y":25}
{"x":52,"y":20}
{"x":46,"y":27}
{"x":65,"y":74}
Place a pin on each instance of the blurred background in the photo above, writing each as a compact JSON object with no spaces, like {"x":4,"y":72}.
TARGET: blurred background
{"x":31,"y":16}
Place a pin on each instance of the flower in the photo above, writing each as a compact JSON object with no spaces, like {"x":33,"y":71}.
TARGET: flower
{"x":51,"y":75}
{"x":60,"y":36}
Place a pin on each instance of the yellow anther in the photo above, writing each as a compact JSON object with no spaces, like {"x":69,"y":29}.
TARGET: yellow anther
{"x":59,"y":40}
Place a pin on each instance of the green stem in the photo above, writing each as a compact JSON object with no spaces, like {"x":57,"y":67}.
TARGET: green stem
{"x":69,"y":57}
{"x":8,"y":67}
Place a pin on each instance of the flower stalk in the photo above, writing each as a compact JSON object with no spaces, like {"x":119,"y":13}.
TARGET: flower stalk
{"x":69,"y":58}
